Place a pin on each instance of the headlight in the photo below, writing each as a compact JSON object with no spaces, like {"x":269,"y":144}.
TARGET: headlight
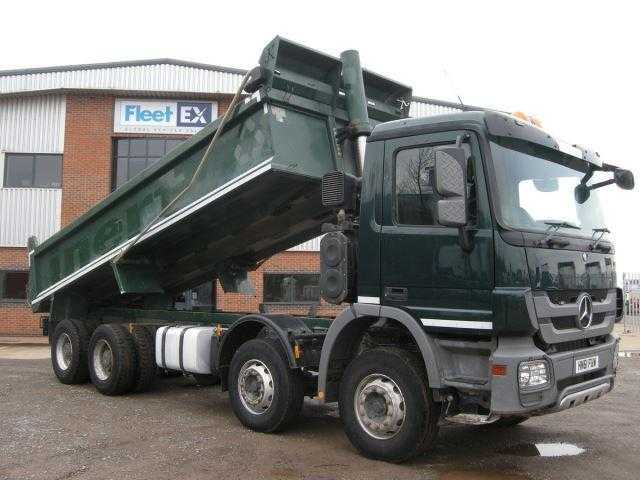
{"x":533,"y":375}
{"x":616,"y":356}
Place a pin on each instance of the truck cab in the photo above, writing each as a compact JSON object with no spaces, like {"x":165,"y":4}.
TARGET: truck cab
{"x":476,"y":242}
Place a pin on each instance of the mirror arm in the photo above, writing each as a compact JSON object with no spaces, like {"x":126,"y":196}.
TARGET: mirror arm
{"x":462,"y":138}
{"x":587,"y":177}
{"x":602,"y":184}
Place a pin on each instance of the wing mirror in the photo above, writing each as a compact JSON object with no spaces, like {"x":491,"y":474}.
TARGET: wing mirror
{"x":451,"y":184}
{"x":624,"y":179}
{"x":582,"y":193}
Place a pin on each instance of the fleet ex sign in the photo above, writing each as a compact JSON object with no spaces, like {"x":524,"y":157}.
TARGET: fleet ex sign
{"x":160,"y":116}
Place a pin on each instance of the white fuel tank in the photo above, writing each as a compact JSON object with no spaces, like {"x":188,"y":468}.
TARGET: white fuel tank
{"x":184,"y":348}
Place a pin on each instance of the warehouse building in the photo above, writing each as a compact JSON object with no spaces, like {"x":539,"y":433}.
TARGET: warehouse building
{"x":71,"y":135}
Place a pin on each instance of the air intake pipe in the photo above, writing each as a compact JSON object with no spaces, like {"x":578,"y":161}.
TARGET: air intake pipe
{"x":356,"y":102}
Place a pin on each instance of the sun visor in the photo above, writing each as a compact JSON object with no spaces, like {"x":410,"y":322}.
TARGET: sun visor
{"x":503,"y":125}
{"x":510,"y":127}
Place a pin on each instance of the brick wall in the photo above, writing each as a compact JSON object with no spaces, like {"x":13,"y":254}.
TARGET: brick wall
{"x":87,"y":160}
{"x":286,"y":262}
{"x":16,"y":317}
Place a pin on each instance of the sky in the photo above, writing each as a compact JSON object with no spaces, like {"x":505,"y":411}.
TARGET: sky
{"x":573,"y":64}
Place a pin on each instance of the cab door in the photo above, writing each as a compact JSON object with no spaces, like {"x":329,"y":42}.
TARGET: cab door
{"x":423,"y":266}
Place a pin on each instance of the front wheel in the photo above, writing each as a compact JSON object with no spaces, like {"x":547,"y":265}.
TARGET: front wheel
{"x":266,"y":394}
{"x":386,"y":405}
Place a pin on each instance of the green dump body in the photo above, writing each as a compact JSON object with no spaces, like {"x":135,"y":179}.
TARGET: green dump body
{"x":258,"y":193}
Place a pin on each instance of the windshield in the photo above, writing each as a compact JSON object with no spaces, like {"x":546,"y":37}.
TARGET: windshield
{"x":536,"y":191}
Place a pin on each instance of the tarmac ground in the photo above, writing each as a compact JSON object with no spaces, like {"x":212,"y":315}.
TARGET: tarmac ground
{"x":179,"y":430}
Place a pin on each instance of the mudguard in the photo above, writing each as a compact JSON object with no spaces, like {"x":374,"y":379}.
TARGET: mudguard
{"x":354,"y":320}
{"x":250,"y":326}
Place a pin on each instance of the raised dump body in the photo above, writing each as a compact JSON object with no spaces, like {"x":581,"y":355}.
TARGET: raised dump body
{"x":258,"y":191}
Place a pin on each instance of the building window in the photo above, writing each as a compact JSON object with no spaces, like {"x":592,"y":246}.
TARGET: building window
{"x":415,"y":198}
{"x":291,"y":287}
{"x":13,"y":285}
{"x":133,"y":155}
{"x":27,"y":170}
{"x":201,"y":298}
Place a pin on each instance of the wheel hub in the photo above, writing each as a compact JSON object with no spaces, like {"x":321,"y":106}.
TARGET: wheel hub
{"x":102,"y":359}
{"x":64,"y":351}
{"x":379,"y":406}
{"x":255,"y":385}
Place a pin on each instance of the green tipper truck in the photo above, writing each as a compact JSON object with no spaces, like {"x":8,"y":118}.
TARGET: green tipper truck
{"x":469,"y":250}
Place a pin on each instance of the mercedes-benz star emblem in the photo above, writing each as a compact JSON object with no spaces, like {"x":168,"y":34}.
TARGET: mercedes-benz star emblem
{"x":585,"y":311}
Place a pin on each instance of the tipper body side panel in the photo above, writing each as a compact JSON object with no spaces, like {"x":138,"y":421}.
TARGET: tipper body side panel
{"x":258,"y":191}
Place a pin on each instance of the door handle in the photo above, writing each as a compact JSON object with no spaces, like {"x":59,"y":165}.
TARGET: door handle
{"x":396,"y":294}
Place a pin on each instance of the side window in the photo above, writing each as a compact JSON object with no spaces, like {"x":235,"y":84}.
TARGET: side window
{"x":133,"y":155}
{"x":13,"y":285}
{"x":291,"y":287}
{"x":415,"y":199}
{"x":33,"y":170}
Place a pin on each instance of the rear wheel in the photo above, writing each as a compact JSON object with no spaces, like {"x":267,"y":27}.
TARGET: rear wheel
{"x":146,"y":373}
{"x":69,"y":345}
{"x":113,"y":361}
{"x":386,"y":405}
{"x":265,"y":393}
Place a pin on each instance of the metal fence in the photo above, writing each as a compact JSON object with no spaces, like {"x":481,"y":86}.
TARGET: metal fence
{"x":632,"y":312}
{"x":631,"y":289}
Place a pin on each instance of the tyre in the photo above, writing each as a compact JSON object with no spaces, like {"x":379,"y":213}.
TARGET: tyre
{"x":113,"y":362}
{"x":146,"y":373}
{"x":510,"y":421}
{"x":386,"y":405}
{"x":266,"y":394}
{"x":69,"y":345}
{"x":206,"y":380}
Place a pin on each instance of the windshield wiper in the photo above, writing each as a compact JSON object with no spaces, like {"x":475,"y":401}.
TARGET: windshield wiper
{"x":552,"y":229}
{"x":602,"y":231}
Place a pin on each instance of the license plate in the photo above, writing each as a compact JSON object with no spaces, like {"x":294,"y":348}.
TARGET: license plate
{"x":586,"y":364}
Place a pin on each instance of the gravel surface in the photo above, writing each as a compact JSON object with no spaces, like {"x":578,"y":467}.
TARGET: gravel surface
{"x":179,"y":430}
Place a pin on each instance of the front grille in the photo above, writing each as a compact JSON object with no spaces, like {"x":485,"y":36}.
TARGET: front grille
{"x":569,"y":321}
{"x":585,"y":377}
{"x":562,"y":297}
{"x":569,"y":346}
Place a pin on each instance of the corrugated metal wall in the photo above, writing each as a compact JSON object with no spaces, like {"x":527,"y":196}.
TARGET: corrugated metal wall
{"x":33,"y":124}
{"x":424,"y":109}
{"x":28,"y":211}
{"x":312,"y":245}
{"x":153,"y":78}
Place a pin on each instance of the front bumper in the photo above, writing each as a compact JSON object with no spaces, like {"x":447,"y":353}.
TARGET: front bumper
{"x":566,"y":388}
